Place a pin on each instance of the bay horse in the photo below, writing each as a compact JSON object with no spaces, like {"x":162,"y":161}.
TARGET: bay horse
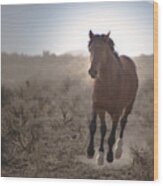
{"x":114,"y":92}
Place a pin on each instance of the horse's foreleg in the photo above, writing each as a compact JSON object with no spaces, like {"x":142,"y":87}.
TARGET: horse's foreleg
{"x":111,"y":140}
{"x":92,"y":130}
{"x":100,"y":158}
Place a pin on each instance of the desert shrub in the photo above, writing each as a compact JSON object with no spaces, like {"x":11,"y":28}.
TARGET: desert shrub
{"x":19,"y":127}
{"x":143,"y":163}
{"x":34,"y":115}
{"x":6,"y":95}
{"x":144,"y":104}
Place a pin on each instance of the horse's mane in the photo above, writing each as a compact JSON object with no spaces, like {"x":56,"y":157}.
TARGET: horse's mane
{"x":112,"y":45}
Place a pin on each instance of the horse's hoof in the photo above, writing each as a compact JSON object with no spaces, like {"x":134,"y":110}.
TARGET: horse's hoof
{"x":90,"y":153}
{"x":110,"y":157}
{"x":118,"y":149}
{"x":100,"y":159}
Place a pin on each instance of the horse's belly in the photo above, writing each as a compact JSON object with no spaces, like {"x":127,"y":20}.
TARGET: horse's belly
{"x":105,"y":100}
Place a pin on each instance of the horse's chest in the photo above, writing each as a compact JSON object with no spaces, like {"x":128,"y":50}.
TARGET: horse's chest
{"x":105,"y":93}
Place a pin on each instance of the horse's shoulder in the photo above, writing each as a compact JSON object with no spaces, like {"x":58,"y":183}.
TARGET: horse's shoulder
{"x":127,"y":62}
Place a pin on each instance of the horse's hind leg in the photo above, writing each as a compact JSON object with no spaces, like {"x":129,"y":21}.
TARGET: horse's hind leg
{"x":100,"y":158}
{"x":123,"y":122}
{"x":92,"y":130}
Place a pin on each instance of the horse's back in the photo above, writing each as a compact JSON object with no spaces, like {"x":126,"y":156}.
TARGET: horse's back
{"x":128,"y":64}
{"x":130,"y":78}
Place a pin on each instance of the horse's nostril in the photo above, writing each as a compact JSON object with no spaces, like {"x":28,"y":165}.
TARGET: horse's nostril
{"x":92,"y":73}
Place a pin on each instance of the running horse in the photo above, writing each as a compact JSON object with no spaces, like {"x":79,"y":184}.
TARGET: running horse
{"x":114,"y":92}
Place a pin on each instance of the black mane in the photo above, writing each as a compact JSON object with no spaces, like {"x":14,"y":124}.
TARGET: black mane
{"x":112,"y":45}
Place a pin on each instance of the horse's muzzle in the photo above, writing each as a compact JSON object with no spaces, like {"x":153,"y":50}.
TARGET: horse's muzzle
{"x":92,"y":73}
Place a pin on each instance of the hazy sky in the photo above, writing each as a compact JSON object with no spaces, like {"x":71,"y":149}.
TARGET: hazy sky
{"x":63,"y":28}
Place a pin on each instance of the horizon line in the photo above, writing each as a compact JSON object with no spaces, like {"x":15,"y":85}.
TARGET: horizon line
{"x":83,"y":53}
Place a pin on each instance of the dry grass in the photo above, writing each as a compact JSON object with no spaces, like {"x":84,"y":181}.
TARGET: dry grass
{"x":45,"y":112}
{"x":143,"y":162}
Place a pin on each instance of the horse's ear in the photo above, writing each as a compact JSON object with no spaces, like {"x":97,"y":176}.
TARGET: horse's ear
{"x":106,"y":37}
{"x":108,"y":34}
{"x":91,"y":34}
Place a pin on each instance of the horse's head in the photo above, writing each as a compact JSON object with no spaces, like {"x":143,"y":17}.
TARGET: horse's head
{"x":98,"y":47}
